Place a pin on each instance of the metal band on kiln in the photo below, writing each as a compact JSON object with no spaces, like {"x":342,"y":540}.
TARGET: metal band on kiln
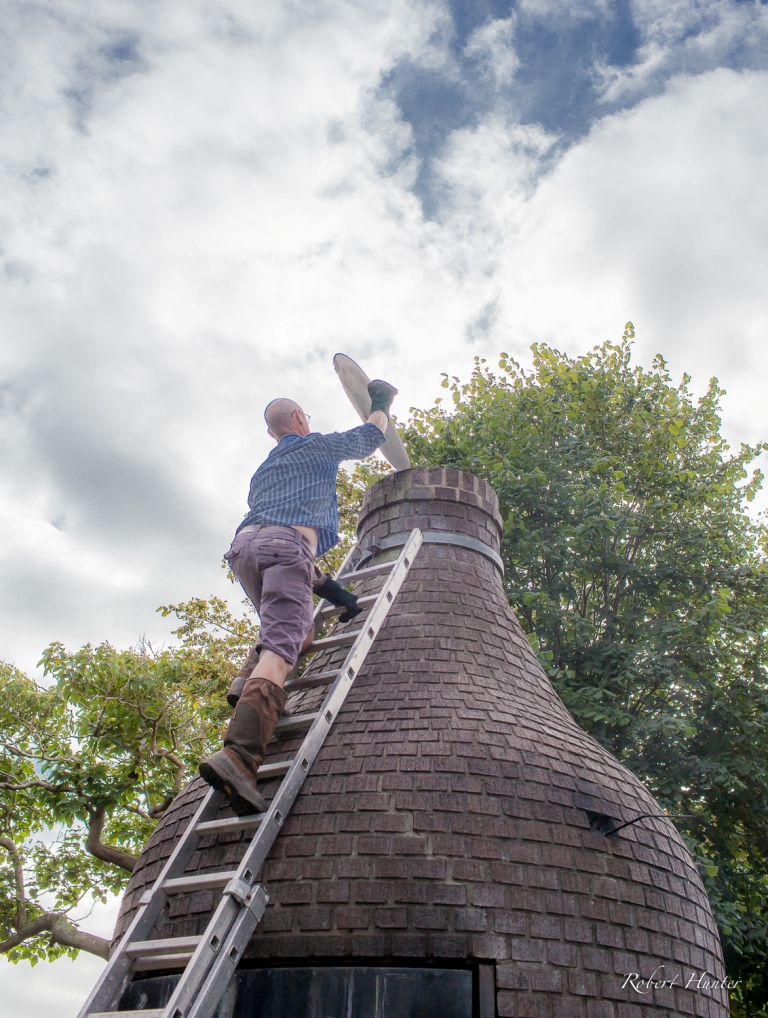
{"x":436,"y":537}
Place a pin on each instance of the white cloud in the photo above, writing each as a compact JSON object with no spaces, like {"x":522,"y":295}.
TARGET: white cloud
{"x":492,"y":44}
{"x":678,"y":36}
{"x":660,"y":215}
{"x":238,"y":209}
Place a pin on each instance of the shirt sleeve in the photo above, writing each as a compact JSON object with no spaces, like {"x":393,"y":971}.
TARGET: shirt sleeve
{"x":355,"y":444}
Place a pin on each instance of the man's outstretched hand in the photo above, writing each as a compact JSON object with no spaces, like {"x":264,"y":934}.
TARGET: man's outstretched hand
{"x":382,"y":394}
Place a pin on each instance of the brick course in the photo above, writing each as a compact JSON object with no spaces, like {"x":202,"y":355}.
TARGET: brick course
{"x":445,"y":817}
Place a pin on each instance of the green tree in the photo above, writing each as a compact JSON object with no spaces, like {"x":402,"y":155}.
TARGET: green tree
{"x":642,"y":582}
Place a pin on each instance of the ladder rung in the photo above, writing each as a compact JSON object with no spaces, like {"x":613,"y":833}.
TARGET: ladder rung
{"x":162,"y":961}
{"x":198,"y":882}
{"x":337,"y":640}
{"x":174,"y":945}
{"x":152,"y":1012}
{"x":364,"y":574}
{"x":230,"y":824}
{"x":274,"y":770}
{"x":307,"y":681}
{"x":292,"y":724}
{"x":362,"y":602}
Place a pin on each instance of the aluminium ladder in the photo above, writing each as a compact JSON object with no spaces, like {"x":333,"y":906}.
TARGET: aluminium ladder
{"x":210,"y":960}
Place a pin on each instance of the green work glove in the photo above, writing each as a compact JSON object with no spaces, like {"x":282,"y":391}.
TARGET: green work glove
{"x":382,"y":394}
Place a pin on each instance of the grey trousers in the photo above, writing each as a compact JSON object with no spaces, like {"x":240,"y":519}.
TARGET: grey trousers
{"x":276,"y":568}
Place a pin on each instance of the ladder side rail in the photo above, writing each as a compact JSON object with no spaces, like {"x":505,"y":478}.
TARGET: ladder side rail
{"x":192,"y":999}
{"x":114,"y":978}
{"x":205,"y":1003}
{"x":202,"y":961}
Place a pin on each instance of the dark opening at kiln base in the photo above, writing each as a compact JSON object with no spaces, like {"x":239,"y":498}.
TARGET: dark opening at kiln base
{"x":327,"y":992}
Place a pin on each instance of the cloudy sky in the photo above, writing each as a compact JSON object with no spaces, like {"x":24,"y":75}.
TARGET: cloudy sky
{"x":202,"y":201}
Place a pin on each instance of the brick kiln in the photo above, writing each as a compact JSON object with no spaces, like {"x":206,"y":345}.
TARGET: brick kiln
{"x":451,"y":853}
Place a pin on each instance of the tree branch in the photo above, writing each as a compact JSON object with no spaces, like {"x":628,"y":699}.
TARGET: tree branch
{"x":36,"y":756}
{"x":66,"y":933}
{"x":62,"y":932}
{"x":166,"y":754}
{"x":39,"y":925}
{"x":35,"y":783}
{"x":139,"y":812}
{"x":107,"y":853}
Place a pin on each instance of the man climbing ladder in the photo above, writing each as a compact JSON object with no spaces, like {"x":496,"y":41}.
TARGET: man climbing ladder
{"x":293,"y":518}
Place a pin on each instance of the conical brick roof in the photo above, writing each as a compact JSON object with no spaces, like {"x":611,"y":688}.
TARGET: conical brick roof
{"x":447,"y":819}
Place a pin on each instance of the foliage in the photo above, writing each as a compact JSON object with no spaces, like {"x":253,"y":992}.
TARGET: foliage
{"x":642,"y":581}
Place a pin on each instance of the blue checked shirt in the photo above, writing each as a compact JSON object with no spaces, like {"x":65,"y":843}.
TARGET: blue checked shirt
{"x":296,"y":483}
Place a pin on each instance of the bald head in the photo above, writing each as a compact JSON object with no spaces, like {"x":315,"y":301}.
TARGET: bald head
{"x":281,"y":417}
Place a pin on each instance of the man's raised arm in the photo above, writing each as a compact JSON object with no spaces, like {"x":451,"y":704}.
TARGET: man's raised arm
{"x":361,"y":441}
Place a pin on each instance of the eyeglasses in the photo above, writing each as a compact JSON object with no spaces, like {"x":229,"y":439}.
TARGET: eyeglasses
{"x":306,"y":417}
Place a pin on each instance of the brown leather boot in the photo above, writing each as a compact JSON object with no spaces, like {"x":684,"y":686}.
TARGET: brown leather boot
{"x":233,"y":769}
{"x":238,"y":683}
